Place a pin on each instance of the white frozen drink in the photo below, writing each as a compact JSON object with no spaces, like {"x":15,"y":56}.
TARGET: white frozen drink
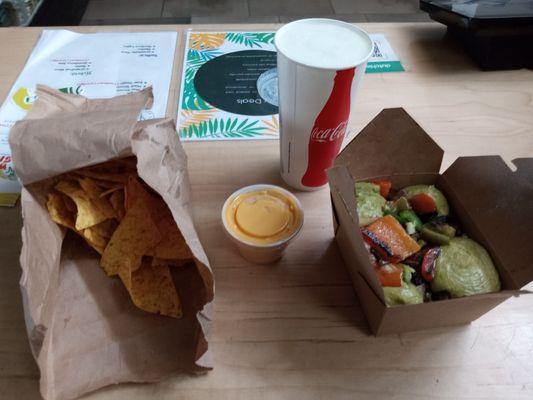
{"x":320,"y":65}
{"x":323,"y":43}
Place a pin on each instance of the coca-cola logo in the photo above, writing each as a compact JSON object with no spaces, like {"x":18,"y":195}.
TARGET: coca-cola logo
{"x":329,"y":134}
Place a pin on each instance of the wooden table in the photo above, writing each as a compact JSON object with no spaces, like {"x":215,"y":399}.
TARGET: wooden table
{"x":294,"y":329}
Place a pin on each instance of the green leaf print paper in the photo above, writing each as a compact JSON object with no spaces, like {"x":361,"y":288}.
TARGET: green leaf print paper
{"x":229,"y":87}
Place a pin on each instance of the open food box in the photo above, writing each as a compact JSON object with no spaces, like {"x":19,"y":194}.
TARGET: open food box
{"x":493,"y":205}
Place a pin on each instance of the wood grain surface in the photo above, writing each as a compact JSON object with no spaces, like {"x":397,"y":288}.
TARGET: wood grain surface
{"x":294,"y":330}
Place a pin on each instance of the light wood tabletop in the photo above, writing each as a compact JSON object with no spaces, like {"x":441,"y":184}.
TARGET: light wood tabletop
{"x":294,"y":330}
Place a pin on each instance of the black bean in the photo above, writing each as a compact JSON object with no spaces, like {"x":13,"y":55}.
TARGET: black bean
{"x":416,"y":278}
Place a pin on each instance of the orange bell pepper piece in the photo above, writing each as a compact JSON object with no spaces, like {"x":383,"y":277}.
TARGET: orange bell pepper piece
{"x":389,"y":275}
{"x":384,"y":187}
{"x":388,"y":238}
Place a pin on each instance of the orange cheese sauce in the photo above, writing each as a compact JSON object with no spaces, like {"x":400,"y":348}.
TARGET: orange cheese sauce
{"x":263,"y":217}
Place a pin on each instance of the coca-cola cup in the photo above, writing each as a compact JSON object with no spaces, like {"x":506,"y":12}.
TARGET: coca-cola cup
{"x":320,"y":65}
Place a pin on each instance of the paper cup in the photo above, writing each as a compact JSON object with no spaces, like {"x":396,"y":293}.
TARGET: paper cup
{"x":261,"y":253}
{"x":320,"y":65}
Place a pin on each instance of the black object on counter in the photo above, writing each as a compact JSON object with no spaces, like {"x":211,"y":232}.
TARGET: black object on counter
{"x":8,"y":14}
{"x":60,"y":13}
{"x":498,"y":34}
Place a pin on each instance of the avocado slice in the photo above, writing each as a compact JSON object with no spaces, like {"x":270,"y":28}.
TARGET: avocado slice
{"x":464,"y":268}
{"x":369,"y":202}
{"x":405,"y":294}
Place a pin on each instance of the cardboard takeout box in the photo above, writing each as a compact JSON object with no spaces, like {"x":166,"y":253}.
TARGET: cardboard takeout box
{"x":493,"y":204}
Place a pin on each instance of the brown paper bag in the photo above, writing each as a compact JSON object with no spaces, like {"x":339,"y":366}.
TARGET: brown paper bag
{"x":84,"y":331}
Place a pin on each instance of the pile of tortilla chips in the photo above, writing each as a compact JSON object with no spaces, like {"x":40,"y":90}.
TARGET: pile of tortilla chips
{"x":129,"y":225}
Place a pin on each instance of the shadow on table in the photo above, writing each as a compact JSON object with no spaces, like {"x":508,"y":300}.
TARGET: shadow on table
{"x":436,"y":51}
{"x":349,"y":309}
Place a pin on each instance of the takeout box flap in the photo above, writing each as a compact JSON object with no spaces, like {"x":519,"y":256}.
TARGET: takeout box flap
{"x":349,"y":239}
{"x":392,"y":143}
{"x":499,"y":203}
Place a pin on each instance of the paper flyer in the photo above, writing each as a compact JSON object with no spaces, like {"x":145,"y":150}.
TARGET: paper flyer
{"x":383,"y":58}
{"x":97,"y":65}
{"x":219,"y":87}
{"x":229,"y":84}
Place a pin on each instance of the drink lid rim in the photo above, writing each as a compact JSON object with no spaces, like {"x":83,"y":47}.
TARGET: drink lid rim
{"x":337,"y":22}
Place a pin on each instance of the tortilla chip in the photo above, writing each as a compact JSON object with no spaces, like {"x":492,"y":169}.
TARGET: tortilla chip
{"x":122,"y":219}
{"x":58,"y":210}
{"x":112,"y":171}
{"x":107,"y":185}
{"x":94,"y":191}
{"x":117,"y":202}
{"x":94,"y":239}
{"x":172,"y":244}
{"x":106,"y":229}
{"x":135,"y":190}
{"x":152,"y":289}
{"x":88,"y":213}
{"x":111,"y":190}
{"x":136,"y":234}
{"x":69,"y":204}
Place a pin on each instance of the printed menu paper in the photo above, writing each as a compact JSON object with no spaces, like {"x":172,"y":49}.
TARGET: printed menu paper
{"x":229,"y":84}
{"x":383,"y":58}
{"x":229,"y":87}
{"x":97,"y":65}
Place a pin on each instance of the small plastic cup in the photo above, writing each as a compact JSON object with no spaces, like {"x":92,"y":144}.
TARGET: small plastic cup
{"x":261,"y":253}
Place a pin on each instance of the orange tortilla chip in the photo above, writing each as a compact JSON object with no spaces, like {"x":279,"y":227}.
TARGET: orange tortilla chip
{"x":94,"y":192}
{"x":59,"y":211}
{"x":88,"y":213}
{"x":151,"y":289}
{"x":119,"y":216}
{"x":94,"y":239}
{"x":108,"y":185}
{"x":172,"y":244}
{"x":136,"y":234}
{"x":69,"y":204}
{"x":135,"y":190}
{"x":117,"y":202}
{"x":112,"y":171}
{"x":105,"y":229}
{"x":111,"y":190}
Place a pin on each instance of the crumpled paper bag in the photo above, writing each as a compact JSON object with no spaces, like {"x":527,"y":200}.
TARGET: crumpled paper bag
{"x":84,"y":331}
